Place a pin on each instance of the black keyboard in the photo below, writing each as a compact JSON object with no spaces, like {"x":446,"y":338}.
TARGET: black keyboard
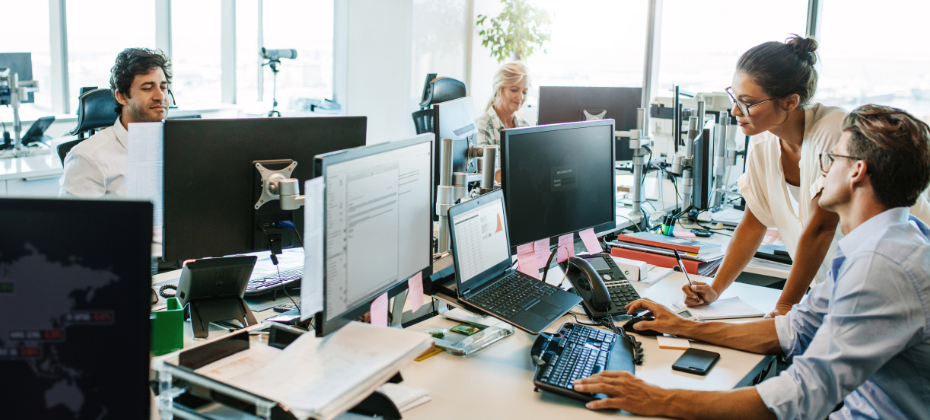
{"x":511,"y":294}
{"x":622,"y":293}
{"x":274,"y":282}
{"x":578,"y":351}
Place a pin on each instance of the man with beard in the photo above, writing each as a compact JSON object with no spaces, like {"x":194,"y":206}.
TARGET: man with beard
{"x":97,"y":167}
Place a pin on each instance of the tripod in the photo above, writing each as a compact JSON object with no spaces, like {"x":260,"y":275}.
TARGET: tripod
{"x":274,"y":86}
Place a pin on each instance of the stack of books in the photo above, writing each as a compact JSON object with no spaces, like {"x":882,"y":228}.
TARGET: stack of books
{"x":699,"y":258}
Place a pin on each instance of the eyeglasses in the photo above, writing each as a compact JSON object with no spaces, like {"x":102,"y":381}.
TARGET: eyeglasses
{"x":743,"y":106}
{"x":827,"y":159}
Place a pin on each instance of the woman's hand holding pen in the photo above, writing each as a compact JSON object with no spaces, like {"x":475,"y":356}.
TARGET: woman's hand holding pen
{"x":699,"y":294}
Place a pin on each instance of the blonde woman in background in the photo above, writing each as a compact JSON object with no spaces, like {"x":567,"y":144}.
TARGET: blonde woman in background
{"x":511,"y":83}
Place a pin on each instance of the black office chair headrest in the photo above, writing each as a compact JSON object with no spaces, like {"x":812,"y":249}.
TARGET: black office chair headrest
{"x":442,"y":89}
{"x":96,"y":109}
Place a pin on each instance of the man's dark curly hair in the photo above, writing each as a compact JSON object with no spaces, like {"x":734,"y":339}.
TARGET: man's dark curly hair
{"x":133,"y":61}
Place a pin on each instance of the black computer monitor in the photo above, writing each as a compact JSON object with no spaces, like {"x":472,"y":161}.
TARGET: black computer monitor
{"x":558,"y":179}
{"x":559,"y":104}
{"x":453,"y":120}
{"x":377,"y":230}
{"x":702,"y":168}
{"x":211,"y":184}
{"x":75,"y":290}
{"x":21,"y":64}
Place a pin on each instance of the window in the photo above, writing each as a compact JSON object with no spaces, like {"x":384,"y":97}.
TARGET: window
{"x":26,"y":29}
{"x":875,"y":55}
{"x":195,"y":51}
{"x":593,"y":43}
{"x":248,"y":58}
{"x":702,"y":41}
{"x":306,"y":26}
{"x":92,"y":48}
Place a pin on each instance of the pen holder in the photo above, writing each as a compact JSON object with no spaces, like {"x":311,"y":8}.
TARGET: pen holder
{"x":168,"y":328}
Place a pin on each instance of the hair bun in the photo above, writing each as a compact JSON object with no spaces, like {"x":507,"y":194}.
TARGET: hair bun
{"x":803,"y":47}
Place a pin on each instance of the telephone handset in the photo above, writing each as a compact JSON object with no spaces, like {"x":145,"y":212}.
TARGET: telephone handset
{"x":588,"y":284}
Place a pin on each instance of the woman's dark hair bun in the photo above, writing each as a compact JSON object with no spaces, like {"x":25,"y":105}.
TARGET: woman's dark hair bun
{"x":803,"y":47}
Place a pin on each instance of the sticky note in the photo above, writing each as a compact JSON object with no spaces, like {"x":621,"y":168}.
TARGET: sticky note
{"x":527,"y":264}
{"x":541,"y":249}
{"x":684,"y":234}
{"x":415,"y":289}
{"x":590,"y":241}
{"x":566,"y":243}
{"x":379,"y":310}
{"x":673,"y":343}
{"x":523,"y":249}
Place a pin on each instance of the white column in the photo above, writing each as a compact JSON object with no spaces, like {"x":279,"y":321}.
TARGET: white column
{"x":228,"y":51}
{"x":163,"y":26}
{"x":651,"y":61}
{"x":58,"y":40}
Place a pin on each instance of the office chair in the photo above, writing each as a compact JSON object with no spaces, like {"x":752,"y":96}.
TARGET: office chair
{"x":435,"y":90}
{"x":96,"y":109}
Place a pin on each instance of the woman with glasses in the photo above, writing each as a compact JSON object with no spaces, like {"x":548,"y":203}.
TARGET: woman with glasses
{"x":772,"y":91}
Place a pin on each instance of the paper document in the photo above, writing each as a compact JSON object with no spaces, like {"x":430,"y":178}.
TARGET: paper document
{"x":145,"y":166}
{"x":730,"y":308}
{"x":229,"y":368}
{"x":311,"y":287}
{"x":327,"y":376}
{"x":673,"y":343}
{"x":415,"y":288}
{"x":405,"y":397}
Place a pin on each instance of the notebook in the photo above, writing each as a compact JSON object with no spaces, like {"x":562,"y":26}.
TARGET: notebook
{"x":730,"y":308}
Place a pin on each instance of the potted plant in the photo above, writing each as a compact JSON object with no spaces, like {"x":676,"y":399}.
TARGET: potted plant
{"x":517,"y":32}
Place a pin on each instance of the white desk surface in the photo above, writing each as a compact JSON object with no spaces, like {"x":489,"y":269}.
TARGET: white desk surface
{"x":497,"y":381}
{"x":35,"y":166}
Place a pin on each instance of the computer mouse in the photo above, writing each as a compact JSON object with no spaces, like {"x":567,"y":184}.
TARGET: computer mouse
{"x":628,"y":327}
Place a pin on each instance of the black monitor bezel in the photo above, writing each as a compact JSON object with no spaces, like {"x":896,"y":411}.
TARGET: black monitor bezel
{"x":323,"y":326}
{"x":505,"y":165}
{"x":502,"y":266}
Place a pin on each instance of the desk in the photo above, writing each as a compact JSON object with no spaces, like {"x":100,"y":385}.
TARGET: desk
{"x":32,"y":176}
{"x":497,"y":381}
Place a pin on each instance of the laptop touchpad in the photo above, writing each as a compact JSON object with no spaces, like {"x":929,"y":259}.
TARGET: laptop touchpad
{"x":546,"y":311}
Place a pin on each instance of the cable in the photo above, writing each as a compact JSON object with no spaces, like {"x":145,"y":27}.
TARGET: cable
{"x":284,"y":288}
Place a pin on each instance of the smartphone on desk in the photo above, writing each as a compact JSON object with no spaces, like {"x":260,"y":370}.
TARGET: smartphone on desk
{"x":696,"y":361}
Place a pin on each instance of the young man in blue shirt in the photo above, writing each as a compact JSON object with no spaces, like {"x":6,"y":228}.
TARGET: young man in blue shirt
{"x":862,"y":337}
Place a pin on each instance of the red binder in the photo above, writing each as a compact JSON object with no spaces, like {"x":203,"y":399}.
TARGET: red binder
{"x":654,"y":259}
{"x":667,"y":245}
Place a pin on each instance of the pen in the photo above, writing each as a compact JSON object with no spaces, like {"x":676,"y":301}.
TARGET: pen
{"x":681,"y":265}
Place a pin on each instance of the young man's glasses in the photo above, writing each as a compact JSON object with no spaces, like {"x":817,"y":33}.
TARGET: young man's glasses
{"x":743,"y":106}
{"x":827,"y":159}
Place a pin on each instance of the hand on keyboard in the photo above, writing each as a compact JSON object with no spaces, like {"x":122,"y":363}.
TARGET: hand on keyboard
{"x":624,"y":391}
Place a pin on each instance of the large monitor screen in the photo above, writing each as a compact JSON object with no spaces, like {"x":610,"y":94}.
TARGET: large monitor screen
{"x":377,"y":223}
{"x":558,"y":179}
{"x":75,"y":281}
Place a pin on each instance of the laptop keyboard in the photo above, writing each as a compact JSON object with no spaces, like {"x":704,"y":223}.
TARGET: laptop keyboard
{"x":512,"y":294}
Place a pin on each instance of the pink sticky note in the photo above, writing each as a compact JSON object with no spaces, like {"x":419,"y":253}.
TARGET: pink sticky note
{"x":379,"y":310}
{"x":527,"y":264}
{"x":684,"y":234}
{"x":523,"y":249}
{"x":590,"y":241}
{"x":415,"y":289}
{"x":541,"y":248}
{"x":566,"y":242}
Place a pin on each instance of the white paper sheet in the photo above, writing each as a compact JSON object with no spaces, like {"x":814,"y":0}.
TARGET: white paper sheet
{"x":311,"y":287}
{"x":145,"y":166}
{"x":229,"y":368}
{"x":730,"y":308}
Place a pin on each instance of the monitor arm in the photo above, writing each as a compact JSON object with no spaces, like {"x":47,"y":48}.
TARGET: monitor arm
{"x":640,"y":140}
{"x":278,"y":185}
{"x":11,"y":91}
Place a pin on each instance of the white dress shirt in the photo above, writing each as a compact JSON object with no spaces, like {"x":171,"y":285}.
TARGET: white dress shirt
{"x":863,"y":336}
{"x":97,"y":166}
